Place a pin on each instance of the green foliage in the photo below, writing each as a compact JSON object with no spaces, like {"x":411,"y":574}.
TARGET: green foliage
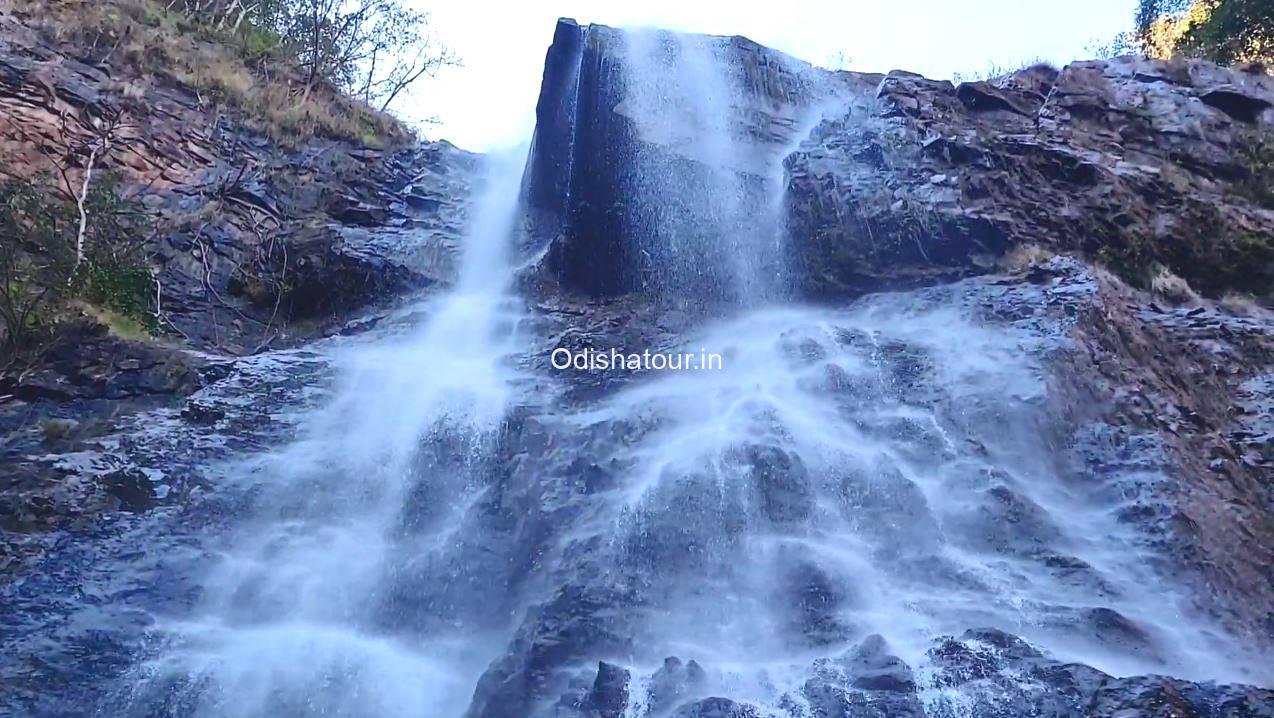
{"x":126,"y":288}
{"x":1256,"y":155}
{"x":40,"y":273}
{"x":370,"y":49}
{"x":256,"y":43}
{"x":1224,"y":31}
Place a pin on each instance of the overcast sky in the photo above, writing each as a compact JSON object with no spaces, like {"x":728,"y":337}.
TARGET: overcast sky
{"x":490,"y":101}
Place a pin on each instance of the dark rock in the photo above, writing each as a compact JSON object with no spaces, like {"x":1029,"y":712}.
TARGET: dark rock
{"x":132,"y":488}
{"x":782,"y":481}
{"x":982,"y":96}
{"x":873,"y":668}
{"x":1235,"y":102}
{"x":1117,"y":631}
{"x":576,"y":622}
{"x":609,"y":694}
{"x":816,"y":603}
{"x":869,"y":225}
{"x":673,"y":683}
{"x":360,"y":214}
{"x":1159,"y":697}
{"x":200,"y":413}
{"x":716,"y":708}
{"x":605,"y":183}
{"x":85,"y":361}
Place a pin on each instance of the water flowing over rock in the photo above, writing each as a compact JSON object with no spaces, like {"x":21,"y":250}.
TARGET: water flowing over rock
{"x":899,"y":180}
{"x":654,"y":156}
{"x":1001,"y":488}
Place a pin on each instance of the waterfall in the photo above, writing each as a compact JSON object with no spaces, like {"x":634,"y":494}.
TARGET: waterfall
{"x":871,"y":507}
{"x":879,"y":471}
{"x":702,"y":182}
{"x":302,"y":614}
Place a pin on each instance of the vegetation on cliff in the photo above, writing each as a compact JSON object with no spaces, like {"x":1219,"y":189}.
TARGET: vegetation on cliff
{"x":293,"y":69}
{"x":1224,"y":31}
{"x":123,"y":121}
{"x":57,"y":250}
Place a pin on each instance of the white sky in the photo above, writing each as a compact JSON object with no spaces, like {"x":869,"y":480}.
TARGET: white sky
{"x":490,"y":101}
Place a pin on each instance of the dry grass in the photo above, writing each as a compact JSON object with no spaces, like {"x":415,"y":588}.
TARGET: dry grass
{"x":1242,"y":304}
{"x":993,"y":71}
{"x":1021,"y":257}
{"x":122,"y":326}
{"x":142,"y":40}
{"x":1172,"y":288}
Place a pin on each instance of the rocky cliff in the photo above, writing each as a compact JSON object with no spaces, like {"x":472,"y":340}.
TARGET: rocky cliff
{"x":1143,"y":172}
{"x":1143,"y":169}
{"x":1137,"y":164}
{"x":1063,"y":223}
{"x":258,"y":244}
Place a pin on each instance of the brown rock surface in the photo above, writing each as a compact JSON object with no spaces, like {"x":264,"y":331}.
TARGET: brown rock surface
{"x":1129,"y":161}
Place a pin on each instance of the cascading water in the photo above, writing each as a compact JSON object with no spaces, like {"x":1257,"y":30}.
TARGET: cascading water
{"x":855,"y":498}
{"x":302,"y":615}
{"x":880,"y":471}
{"x":702,"y":175}
{"x":855,"y":486}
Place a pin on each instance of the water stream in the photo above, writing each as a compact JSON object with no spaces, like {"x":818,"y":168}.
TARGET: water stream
{"x":301,"y":612}
{"x":882,"y":468}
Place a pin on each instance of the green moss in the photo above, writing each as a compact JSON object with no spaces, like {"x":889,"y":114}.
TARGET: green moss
{"x":125,"y":289}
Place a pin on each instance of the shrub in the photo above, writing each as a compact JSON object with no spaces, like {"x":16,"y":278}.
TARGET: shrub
{"x":248,"y":66}
{"x":1171,"y":287}
{"x":40,"y":273}
{"x":1224,"y":31}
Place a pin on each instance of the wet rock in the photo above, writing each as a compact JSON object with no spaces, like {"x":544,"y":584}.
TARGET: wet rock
{"x":829,"y":699}
{"x":1114,"y":629}
{"x":609,"y":694}
{"x":782,"y":481}
{"x":1041,"y":139}
{"x":673,"y":683}
{"x":576,"y":622}
{"x":133,"y":489}
{"x":872,"y":668}
{"x":716,"y":708}
{"x":583,"y":180}
{"x":817,"y":603}
{"x":1010,"y":523}
{"x":1159,"y":697}
{"x":201,"y":413}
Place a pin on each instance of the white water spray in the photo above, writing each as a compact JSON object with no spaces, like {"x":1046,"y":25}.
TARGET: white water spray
{"x":299,"y":617}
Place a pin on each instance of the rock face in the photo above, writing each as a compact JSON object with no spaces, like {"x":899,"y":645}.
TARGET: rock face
{"x":1129,"y":161}
{"x":258,"y":244}
{"x":896,"y":181}
{"x":620,"y":138}
{"x":651,"y":548}
{"x":1157,"y":408}
{"x":907,"y":180}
